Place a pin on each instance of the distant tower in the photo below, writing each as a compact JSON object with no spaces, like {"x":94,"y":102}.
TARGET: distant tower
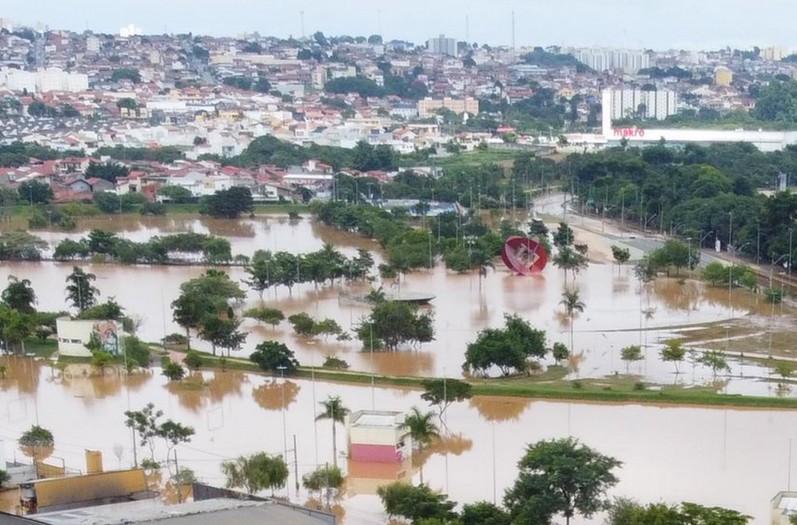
{"x":513,"y":35}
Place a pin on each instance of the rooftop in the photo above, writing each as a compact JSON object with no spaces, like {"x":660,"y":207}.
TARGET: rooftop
{"x":210,"y":512}
{"x":376,"y":418}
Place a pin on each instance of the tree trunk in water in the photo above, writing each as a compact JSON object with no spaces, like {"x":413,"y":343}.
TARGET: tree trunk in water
{"x":188,"y":338}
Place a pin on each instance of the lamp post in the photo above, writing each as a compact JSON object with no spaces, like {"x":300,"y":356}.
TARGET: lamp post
{"x":284,"y":430}
{"x":772,"y":299}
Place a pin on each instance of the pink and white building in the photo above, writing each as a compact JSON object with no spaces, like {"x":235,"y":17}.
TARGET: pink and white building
{"x":377,"y":436}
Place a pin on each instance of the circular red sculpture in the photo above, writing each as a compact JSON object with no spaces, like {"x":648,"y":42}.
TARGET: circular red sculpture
{"x":524,"y":256}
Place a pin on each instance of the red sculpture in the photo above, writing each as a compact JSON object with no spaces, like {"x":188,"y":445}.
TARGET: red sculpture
{"x":524,"y":256}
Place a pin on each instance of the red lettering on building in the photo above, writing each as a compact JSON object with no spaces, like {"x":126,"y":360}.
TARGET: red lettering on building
{"x":629,"y":132}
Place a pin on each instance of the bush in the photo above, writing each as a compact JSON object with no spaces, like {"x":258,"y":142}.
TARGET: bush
{"x":175,"y":339}
{"x":193,"y":360}
{"x":153,"y":208}
{"x":37,"y":437}
{"x":335,"y":363}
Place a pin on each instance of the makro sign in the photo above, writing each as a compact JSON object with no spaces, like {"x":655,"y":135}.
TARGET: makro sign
{"x":628,"y":132}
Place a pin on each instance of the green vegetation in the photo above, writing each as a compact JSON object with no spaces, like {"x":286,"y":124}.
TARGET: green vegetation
{"x":275,"y":357}
{"x":332,"y":408}
{"x":507,"y":349}
{"x":158,"y":250}
{"x":392,"y":324}
{"x":130,"y":74}
{"x":37,"y":437}
{"x":228,"y":204}
{"x":704,"y":193}
{"x":627,"y":512}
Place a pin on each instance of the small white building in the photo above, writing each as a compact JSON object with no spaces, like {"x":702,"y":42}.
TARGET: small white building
{"x":74,"y":334}
{"x":378,"y":436}
{"x":784,"y":507}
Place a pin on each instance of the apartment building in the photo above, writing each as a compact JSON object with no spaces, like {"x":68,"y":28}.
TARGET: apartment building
{"x":428,"y":106}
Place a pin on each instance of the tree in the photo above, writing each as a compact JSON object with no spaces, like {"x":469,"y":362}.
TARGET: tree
{"x":126,"y":74}
{"x":560,"y":476}
{"x":509,"y":348}
{"x":333,"y":410}
{"x":303,"y":324}
{"x":35,"y":192}
{"x":193,"y":360}
{"x":394,"y":323}
{"x":79,"y":291}
{"x":571,"y":301}
{"x":560,"y":352}
{"x":627,"y":512}
{"x":327,"y":327}
{"x":272,"y":316}
{"x":4,"y":478}
{"x":273,"y":356}
{"x":19,"y":295}
{"x":563,"y":236}
{"x":442,"y":392}
{"x":221,"y":332}
{"x":621,"y":255}
{"x":715,"y":360}
{"x":421,"y":428}
{"x":325,"y":479}
{"x":674,"y":352}
{"x":37,"y":437}
{"x":415,"y":503}
{"x":175,"y":194}
{"x":228,"y":204}
{"x":483,"y":513}
{"x":569,"y":259}
{"x":146,"y":425}
{"x":173,"y":434}
{"x":256,"y":472}
{"x":109,"y":171}
{"x":629,"y":354}
{"x":173,"y":370}
{"x":206,"y":296}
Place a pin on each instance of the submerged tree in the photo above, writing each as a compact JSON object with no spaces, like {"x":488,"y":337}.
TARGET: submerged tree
{"x":79,"y":290}
{"x":334,"y":410}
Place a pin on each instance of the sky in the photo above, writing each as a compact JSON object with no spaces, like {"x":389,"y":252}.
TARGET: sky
{"x":654,"y":24}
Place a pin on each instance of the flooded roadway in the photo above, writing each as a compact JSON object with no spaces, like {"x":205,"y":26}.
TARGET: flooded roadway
{"x":732,"y":458}
{"x":618,"y":312}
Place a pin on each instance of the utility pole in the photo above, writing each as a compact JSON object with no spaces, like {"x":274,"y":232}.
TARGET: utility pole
{"x":177,"y":476}
{"x":295,"y":466}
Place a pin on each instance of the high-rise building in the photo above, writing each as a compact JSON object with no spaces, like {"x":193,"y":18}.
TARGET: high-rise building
{"x":442,"y":46}
{"x":626,"y":60}
{"x":637,"y":103}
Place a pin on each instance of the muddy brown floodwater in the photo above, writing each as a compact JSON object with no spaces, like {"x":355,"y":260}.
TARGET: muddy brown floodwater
{"x":618,"y":311}
{"x":732,"y":458}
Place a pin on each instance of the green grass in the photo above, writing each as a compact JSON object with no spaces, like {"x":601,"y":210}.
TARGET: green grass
{"x":547,"y":385}
{"x":41,"y":349}
{"x":474,"y":158}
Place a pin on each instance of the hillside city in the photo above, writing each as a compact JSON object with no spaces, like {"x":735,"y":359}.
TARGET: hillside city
{"x":331,"y":279}
{"x":202,"y":100}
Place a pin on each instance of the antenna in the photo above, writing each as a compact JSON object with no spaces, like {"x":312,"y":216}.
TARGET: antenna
{"x":513,"y":35}
{"x":301,"y":16}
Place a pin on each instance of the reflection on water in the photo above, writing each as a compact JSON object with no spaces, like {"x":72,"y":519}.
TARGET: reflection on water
{"x":274,"y":394}
{"x":732,"y":458}
{"x":617,"y":313}
{"x":496,"y":408}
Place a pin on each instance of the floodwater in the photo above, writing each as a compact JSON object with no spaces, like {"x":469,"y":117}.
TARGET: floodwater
{"x":733,"y":458}
{"x":618,"y":311}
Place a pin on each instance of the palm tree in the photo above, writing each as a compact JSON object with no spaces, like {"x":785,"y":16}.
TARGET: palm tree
{"x":571,"y":300}
{"x":334,"y":410}
{"x":422,"y":429}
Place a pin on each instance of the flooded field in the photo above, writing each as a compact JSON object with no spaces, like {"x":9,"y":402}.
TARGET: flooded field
{"x":618,"y":311}
{"x":732,"y":458}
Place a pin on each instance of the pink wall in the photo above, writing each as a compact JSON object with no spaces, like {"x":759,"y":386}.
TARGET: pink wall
{"x":375,"y":453}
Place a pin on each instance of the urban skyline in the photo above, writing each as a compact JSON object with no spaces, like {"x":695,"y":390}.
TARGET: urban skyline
{"x":660,"y":24}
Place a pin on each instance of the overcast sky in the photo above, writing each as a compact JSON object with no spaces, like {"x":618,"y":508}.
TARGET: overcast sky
{"x":657,"y":24}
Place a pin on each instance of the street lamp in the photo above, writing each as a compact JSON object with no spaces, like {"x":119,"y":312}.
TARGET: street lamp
{"x":772,"y":299}
{"x":284,"y":431}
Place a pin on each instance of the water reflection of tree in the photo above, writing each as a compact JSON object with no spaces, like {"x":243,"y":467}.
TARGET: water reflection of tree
{"x":494,"y":408}
{"x":269,"y":395}
{"x":677,"y":295}
{"x":403,"y":363}
{"x":226,"y":383}
{"x":620,"y":285}
{"x":228,"y":228}
{"x":190,"y":392}
{"x":90,"y":382}
{"x":21,"y":373}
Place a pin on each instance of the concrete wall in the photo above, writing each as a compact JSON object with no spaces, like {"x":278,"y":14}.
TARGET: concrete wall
{"x":376,"y":453}
{"x":61,"y":492}
{"x":74,"y":334}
